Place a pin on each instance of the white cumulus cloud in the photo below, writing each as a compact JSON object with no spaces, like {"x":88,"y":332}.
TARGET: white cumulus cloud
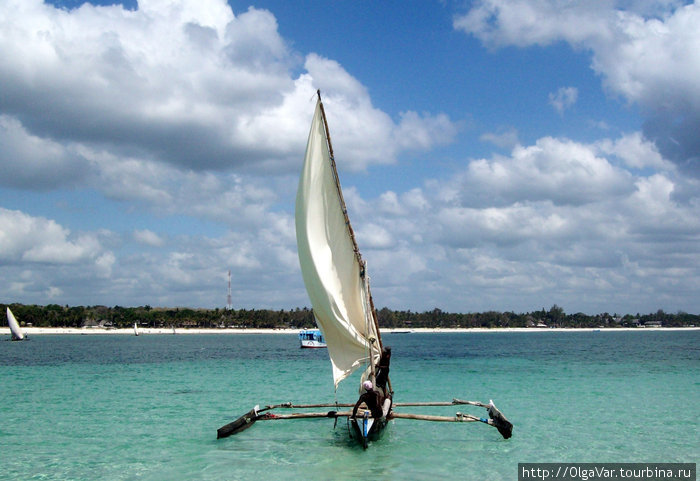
{"x":647,"y":52}
{"x":40,"y":240}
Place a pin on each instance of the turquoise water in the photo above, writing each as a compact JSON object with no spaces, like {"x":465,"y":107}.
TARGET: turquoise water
{"x":147,"y":408}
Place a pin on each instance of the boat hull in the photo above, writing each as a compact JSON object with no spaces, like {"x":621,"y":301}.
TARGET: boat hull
{"x":367,"y":428}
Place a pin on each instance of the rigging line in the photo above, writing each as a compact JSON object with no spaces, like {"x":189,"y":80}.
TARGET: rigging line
{"x":370,"y":321}
{"x":336,"y":178}
{"x":369,"y":307}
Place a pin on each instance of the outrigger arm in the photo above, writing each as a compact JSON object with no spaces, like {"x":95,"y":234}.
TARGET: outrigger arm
{"x":495,"y":419}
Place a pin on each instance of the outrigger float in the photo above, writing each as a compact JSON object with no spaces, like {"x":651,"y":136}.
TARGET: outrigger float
{"x":336,"y":280}
{"x":364,"y":428}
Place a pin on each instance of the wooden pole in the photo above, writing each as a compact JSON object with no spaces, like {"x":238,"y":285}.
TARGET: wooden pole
{"x":458,"y":418}
{"x":329,"y":414}
{"x":305,"y":406}
{"x":454,"y":402}
{"x":289,"y":405}
{"x":351,"y":232}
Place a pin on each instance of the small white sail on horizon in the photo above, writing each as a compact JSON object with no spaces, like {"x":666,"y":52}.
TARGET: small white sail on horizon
{"x":331,"y":264}
{"x":17,"y":334}
{"x":136,"y":329}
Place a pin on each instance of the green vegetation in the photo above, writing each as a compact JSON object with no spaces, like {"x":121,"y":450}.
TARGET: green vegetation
{"x":554,"y":317}
{"x":53,"y":315}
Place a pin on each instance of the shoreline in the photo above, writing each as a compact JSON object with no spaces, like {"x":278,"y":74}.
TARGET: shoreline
{"x":33,"y":331}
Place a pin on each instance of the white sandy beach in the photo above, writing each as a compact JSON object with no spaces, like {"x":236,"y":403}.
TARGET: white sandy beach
{"x":31,"y":331}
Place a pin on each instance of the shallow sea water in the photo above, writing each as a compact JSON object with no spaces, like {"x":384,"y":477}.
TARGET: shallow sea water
{"x":148,"y":407}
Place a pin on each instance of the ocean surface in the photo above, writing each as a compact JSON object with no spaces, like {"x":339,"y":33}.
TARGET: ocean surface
{"x":118,"y":407}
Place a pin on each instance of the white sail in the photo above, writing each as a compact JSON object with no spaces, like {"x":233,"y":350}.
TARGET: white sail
{"x":17,"y":333}
{"x":330,"y":264}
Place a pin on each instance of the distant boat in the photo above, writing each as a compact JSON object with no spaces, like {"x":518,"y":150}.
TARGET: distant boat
{"x":311,"y":338}
{"x":17,"y":334}
{"x":136,"y":330}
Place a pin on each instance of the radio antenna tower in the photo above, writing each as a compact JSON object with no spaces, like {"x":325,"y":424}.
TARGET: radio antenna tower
{"x":229,"y":306}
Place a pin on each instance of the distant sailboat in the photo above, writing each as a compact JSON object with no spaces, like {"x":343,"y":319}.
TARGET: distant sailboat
{"x":17,"y":334}
{"x":136,"y":330}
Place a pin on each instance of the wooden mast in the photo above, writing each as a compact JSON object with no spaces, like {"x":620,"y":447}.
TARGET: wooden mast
{"x":356,"y":249}
{"x":344,"y":208}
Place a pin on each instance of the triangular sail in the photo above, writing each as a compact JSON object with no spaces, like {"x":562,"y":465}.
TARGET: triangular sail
{"x":17,"y":333}
{"x":331,"y":265}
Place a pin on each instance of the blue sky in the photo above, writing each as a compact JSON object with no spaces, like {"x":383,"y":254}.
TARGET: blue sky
{"x":495,"y":154}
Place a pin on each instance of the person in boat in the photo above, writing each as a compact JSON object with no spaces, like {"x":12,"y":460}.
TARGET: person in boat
{"x":371,"y":399}
{"x":383,"y":370}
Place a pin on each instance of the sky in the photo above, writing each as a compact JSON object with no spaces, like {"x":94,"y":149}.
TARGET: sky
{"x":502,"y":155}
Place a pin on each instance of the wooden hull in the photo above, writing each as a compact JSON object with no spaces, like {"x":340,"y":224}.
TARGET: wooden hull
{"x":366,"y":429}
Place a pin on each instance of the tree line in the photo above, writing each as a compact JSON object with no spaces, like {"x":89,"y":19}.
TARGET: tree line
{"x":54,"y":315}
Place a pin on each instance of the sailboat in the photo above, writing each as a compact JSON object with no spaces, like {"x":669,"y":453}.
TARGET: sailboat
{"x":335,"y":275}
{"x":17,"y":334}
{"x":136,"y":329}
{"x":336,"y":280}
